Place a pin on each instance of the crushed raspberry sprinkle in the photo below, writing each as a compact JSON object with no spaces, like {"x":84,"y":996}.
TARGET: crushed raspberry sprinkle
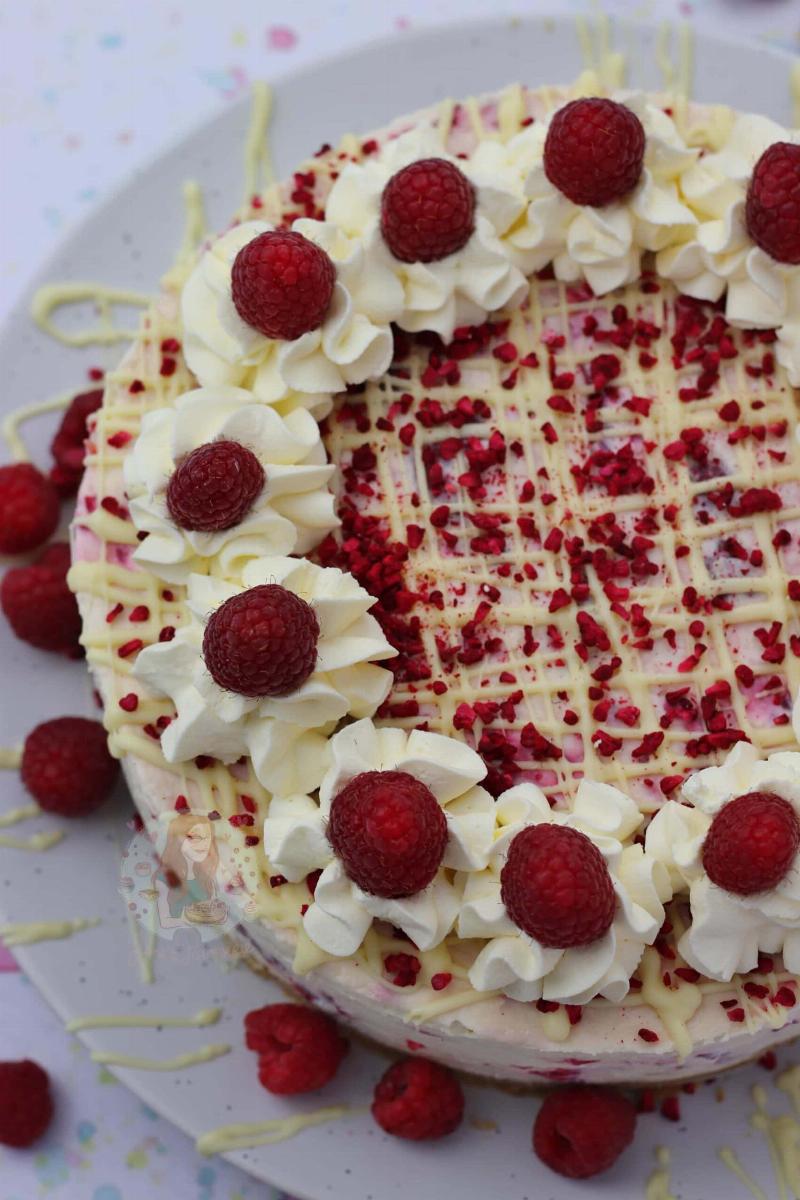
{"x":299,"y":1049}
{"x":214,"y":487}
{"x":282,"y":284}
{"x":66,"y":766}
{"x":427,"y":211}
{"x":594,"y":151}
{"x":581,"y":1131}
{"x":752,"y":843}
{"x":418,"y":1100}
{"x":262,"y":642}
{"x":389,"y":831}
{"x":556,"y":886}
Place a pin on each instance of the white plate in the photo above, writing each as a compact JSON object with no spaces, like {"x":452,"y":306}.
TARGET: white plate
{"x":129,"y":241}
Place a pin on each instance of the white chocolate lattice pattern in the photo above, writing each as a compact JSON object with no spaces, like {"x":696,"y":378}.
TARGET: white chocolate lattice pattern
{"x":494,"y":562}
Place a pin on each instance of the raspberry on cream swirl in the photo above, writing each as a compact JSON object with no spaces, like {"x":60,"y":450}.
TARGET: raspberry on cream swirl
{"x":604,"y":244}
{"x":575,"y":971}
{"x":419,"y":898}
{"x":290,"y":508}
{"x":762,"y":293}
{"x":730,"y":927}
{"x":353,"y":343}
{"x":439,"y":295}
{"x":284,"y":728}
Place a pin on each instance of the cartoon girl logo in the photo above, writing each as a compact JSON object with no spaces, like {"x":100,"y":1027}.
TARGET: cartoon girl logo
{"x":180,"y":880}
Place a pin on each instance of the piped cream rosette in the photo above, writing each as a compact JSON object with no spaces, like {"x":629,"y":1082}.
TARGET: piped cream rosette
{"x":292,"y":513}
{"x":761,"y":292}
{"x":439,"y":296}
{"x":728,"y":930}
{"x":602,"y":245}
{"x":520,"y":966}
{"x":296,"y":843}
{"x":353,"y":343}
{"x":286,"y":736}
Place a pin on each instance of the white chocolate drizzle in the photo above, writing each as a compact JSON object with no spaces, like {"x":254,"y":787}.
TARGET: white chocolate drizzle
{"x":199,"y":1020}
{"x":13,"y":420}
{"x":52,"y":296}
{"x":194,"y":1058}
{"x":265,"y":1133}
{"x":25,"y":933}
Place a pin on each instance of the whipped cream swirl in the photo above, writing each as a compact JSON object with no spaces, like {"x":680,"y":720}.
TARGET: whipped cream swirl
{"x":605,"y":245}
{"x":296,"y":843}
{"x":520,"y":966}
{"x":353,"y":344}
{"x":460,"y":289}
{"x":293,"y":512}
{"x":285,"y":736}
{"x":727,"y":930}
{"x":761,"y":292}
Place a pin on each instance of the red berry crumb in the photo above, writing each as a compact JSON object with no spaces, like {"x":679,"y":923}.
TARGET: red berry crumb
{"x":594,"y":151}
{"x":66,"y":766}
{"x":418,"y":1100}
{"x":68,"y":446}
{"x":427,"y":211}
{"x":214,"y":487}
{"x":389,"y":831}
{"x":282,"y":284}
{"x":299,"y":1048}
{"x":38,"y":604}
{"x":28,"y":508}
{"x":751,"y":843}
{"x":556,"y":886}
{"x":581,"y":1131}
{"x":772,"y":212}
{"x":26,"y":1105}
{"x":262,"y":642}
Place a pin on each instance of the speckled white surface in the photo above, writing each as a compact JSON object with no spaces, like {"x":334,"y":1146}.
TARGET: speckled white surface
{"x":79,"y":83}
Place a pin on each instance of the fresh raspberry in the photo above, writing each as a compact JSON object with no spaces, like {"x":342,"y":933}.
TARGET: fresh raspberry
{"x":418,"y":1100}
{"x":26,"y":1106}
{"x":38,"y":604}
{"x":772,"y":212}
{"x":262,"y":642}
{"x":752,"y":843}
{"x":556,"y":886}
{"x":581,"y":1131}
{"x":389,"y":831}
{"x":28,"y":508}
{"x":66,"y":766}
{"x":427,"y":211}
{"x":68,"y":446}
{"x":594,"y":151}
{"x":214,"y":487}
{"x":282,"y":284}
{"x":299,"y":1048}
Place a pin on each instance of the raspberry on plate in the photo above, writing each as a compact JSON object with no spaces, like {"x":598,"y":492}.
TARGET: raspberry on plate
{"x":68,"y":446}
{"x":389,"y":831}
{"x":282,"y":284}
{"x":29,"y":508}
{"x":594,"y":151}
{"x":427,"y":211}
{"x":67,"y":767}
{"x":751,"y":843}
{"x":38,"y":604}
{"x":26,"y":1105}
{"x":214,"y":487}
{"x":418,"y":1100}
{"x":262,"y":642}
{"x":772,"y":211}
{"x":556,"y":886}
{"x":299,"y":1048}
{"x":581,"y":1131}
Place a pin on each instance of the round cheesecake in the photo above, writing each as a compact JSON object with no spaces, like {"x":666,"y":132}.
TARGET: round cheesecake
{"x":566,"y":495}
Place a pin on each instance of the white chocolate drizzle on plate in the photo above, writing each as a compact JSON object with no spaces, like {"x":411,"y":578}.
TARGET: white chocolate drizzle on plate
{"x":192,"y":1059}
{"x":52,"y":296}
{"x":10,"y":758}
{"x":16,"y":815}
{"x":198,"y":1020}
{"x":659,"y":1184}
{"x":13,"y":420}
{"x":265,"y":1133}
{"x":25,"y":933}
